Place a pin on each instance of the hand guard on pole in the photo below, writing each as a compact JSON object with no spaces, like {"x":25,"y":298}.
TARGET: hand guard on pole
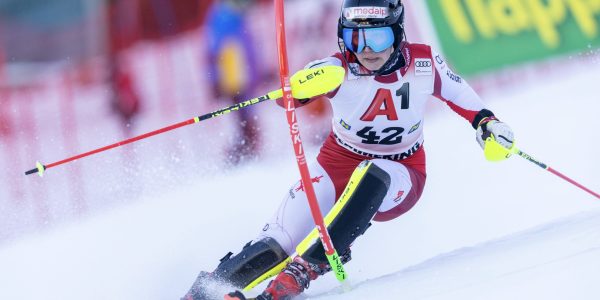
{"x":495,"y":138}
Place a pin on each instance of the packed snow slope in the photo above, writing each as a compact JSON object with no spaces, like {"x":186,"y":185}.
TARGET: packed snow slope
{"x":482,"y":230}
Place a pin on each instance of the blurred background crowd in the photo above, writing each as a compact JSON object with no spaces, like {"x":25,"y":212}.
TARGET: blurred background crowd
{"x":80,"y":74}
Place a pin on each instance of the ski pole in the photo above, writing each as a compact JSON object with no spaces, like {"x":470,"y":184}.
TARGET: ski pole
{"x":542,"y":165}
{"x":330,"y":252}
{"x":493,"y":151}
{"x":305,"y":84}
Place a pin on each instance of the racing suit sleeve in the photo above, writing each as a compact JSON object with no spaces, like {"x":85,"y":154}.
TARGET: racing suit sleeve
{"x":457,"y":93}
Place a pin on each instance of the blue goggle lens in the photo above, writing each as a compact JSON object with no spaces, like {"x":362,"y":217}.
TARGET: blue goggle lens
{"x":378,"y":39}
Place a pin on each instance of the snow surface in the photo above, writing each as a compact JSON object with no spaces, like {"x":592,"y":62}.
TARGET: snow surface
{"x":482,"y":230}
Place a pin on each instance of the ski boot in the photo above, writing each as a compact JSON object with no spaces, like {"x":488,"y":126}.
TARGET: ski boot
{"x":238,"y":271}
{"x":291,"y":282}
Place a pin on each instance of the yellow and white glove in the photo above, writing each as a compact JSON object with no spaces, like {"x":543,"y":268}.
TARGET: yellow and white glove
{"x":495,"y":138}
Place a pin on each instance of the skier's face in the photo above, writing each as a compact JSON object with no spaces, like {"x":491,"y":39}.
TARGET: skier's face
{"x":374,"y":60}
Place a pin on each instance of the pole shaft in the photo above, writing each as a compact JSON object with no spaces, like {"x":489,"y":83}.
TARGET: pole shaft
{"x":121,"y":143}
{"x":297,"y":143}
{"x":575,"y":183}
{"x":555,"y":172}
{"x":294,"y":128}
{"x":214,"y":114}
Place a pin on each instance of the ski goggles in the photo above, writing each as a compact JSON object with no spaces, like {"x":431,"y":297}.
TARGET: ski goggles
{"x":378,"y":39}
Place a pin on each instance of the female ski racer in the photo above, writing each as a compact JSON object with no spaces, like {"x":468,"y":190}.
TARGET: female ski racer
{"x":376,"y":139}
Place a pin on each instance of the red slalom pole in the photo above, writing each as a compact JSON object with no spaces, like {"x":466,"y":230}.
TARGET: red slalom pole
{"x":330,"y":252}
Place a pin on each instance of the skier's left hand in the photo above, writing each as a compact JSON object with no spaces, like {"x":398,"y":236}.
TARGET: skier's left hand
{"x":495,"y":138}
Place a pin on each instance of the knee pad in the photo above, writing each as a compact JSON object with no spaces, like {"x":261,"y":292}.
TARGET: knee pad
{"x":351,"y":215}
{"x":255,"y":263}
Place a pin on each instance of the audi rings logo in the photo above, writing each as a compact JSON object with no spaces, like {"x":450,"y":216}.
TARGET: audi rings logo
{"x":423,"y":63}
{"x":423,"y":67}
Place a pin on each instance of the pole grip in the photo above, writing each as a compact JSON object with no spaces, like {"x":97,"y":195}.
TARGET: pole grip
{"x":530,"y":158}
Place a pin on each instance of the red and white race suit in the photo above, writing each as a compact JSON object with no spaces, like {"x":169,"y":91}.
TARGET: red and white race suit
{"x":379,"y":118}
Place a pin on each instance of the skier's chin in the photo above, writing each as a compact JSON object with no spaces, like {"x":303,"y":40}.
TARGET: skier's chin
{"x":372,"y":64}
{"x":374,"y":61}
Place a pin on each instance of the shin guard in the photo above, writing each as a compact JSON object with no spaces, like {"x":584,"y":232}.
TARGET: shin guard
{"x":351,"y":215}
{"x":253,"y":262}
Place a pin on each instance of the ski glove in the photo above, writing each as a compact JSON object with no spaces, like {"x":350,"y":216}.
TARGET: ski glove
{"x":495,"y":138}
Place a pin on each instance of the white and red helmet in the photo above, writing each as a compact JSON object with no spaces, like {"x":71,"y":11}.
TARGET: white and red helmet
{"x":377,"y":24}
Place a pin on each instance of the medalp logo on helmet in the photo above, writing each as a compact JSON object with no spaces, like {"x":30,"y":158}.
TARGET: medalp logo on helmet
{"x":366,"y":12}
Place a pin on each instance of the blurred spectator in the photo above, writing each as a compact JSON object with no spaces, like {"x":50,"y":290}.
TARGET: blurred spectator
{"x":233,"y":70}
{"x":132,"y":20}
{"x":123,"y":29}
{"x":125,"y":99}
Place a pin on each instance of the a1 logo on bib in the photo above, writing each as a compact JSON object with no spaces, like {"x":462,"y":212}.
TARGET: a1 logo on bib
{"x":423,"y":67}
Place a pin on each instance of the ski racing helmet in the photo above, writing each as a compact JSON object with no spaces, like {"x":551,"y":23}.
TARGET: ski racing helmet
{"x":377,"y":24}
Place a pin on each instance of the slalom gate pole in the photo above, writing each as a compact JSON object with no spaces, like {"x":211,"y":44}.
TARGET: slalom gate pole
{"x":330,"y":252}
{"x":40,"y":168}
{"x":549,"y":169}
